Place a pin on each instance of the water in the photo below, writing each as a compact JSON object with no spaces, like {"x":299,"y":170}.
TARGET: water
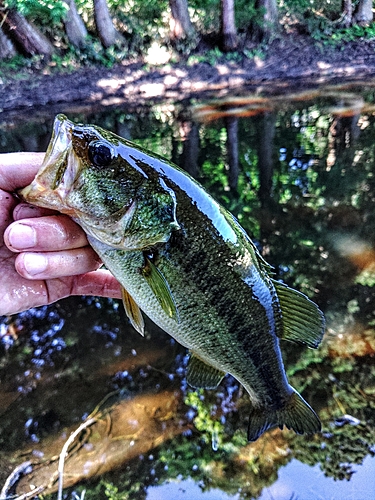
{"x":315,"y":486}
{"x":298,"y":172}
{"x":181,"y":490}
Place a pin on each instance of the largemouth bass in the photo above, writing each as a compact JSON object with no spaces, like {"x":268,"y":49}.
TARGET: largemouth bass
{"x":184,"y":261}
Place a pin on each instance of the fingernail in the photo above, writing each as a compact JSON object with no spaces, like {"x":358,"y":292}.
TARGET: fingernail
{"x":35,"y":263}
{"x":22,"y":237}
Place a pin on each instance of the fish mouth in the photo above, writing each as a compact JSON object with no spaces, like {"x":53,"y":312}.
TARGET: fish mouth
{"x":59,"y":144}
{"x":57,"y":172}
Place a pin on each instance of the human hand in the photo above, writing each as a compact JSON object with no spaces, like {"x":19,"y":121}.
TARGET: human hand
{"x":44,"y":256}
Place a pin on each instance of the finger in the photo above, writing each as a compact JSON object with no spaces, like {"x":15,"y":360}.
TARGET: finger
{"x":17,"y":170}
{"x":26,"y":211}
{"x":51,"y":265}
{"x":36,"y":293}
{"x":98,"y":283}
{"x":7,"y":202}
{"x":56,"y":232}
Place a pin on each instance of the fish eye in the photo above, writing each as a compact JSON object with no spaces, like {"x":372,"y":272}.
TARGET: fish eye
{"x":101,"y":153}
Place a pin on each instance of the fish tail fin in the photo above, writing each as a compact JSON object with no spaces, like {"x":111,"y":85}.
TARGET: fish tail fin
{"x":296,"y":415}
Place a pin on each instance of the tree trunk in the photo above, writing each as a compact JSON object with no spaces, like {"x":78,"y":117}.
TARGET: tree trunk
{"x":104,"y":25}
{"x":265,"y":157}
{"x":267,"y":20}
{"x":363,"y":14}
{"x":27,"y":39}
{"x":190,"y":152}
{"x":180,"y":23}
{"x":74,"y":26}
{"x":228,"y":26}
{"x":347,"y":13}
{"x":7,"y":48}
{"x":231,"y":124}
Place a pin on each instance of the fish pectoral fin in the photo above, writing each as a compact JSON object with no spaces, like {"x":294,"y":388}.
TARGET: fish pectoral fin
{"x":159,"y":286}
{"x":133,"y":312}
{"x":202,"y":375}
{"x":296,"y":415}
{"x":303,"y":322}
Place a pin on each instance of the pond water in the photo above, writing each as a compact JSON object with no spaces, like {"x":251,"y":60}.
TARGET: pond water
{"x":298,"y":173}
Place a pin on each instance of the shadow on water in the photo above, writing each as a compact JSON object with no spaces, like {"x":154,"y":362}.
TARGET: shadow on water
{"x":298,"y":172}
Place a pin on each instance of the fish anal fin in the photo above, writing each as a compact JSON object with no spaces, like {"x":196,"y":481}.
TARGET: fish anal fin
{"x":202,"y":375}
{"x":302,"y":320}
{"x":133,"y":312}
{"x":296,"y":415}
{"x":160,"y":289}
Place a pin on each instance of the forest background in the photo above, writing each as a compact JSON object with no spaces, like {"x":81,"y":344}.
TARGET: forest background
{"x":40,"y":34}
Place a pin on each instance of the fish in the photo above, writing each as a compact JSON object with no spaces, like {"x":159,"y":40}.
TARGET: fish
{"x":184,"y":261}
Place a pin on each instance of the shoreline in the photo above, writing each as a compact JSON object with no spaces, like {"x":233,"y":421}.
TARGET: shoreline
{"x":286,"y":65}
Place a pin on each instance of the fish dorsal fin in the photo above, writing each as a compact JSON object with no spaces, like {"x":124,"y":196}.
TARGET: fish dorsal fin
{"x":133,"y":312}
{"x":201,"y":375}
{"x":302,"y":320}
{"x":160,"y":288}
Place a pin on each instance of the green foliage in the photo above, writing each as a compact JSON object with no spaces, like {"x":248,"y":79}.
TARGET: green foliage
{"x":44,"y":11}
{"x":127,"y":487}
{"x":93,"y":54}
{"x":330,"y":34}
{"x":366,"y":277}
{"x":212,"y":57}
{"x":112,"y":492}
{"x":142,"y":22}
{"x":205,"y":420}
{"x":303,"y":10}
{"x":323,"y":21}
{"x":246,"y":13}
{"x":205,"y":14}
{"x":19,"y":66}
{"x":349,"y":434}
{"x":258,"y":52}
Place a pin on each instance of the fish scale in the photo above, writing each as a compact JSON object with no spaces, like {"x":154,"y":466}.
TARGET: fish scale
{"x":184,"y":261}
{"x":212,"y":337}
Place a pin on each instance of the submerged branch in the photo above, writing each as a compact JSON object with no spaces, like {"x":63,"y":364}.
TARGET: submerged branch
{"x":64,"y":452}
{"x":12,"y":480}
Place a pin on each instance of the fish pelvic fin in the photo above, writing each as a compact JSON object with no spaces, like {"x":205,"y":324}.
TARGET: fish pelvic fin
{"x":296,"y":415}
{"x":133,"y":312}
{"x":160,"y":288}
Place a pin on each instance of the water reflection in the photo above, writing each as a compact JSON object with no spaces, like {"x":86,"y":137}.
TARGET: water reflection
{"x":317,"y":487}
{"x":287,"y":487}
{"x":299,"y":177}
{"x":182,"y":490}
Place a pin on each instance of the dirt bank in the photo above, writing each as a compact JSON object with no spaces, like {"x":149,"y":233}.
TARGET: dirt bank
{"x":289,"y":61}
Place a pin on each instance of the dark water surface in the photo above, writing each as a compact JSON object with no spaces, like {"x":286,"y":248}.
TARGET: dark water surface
{"x":298,"y":172}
